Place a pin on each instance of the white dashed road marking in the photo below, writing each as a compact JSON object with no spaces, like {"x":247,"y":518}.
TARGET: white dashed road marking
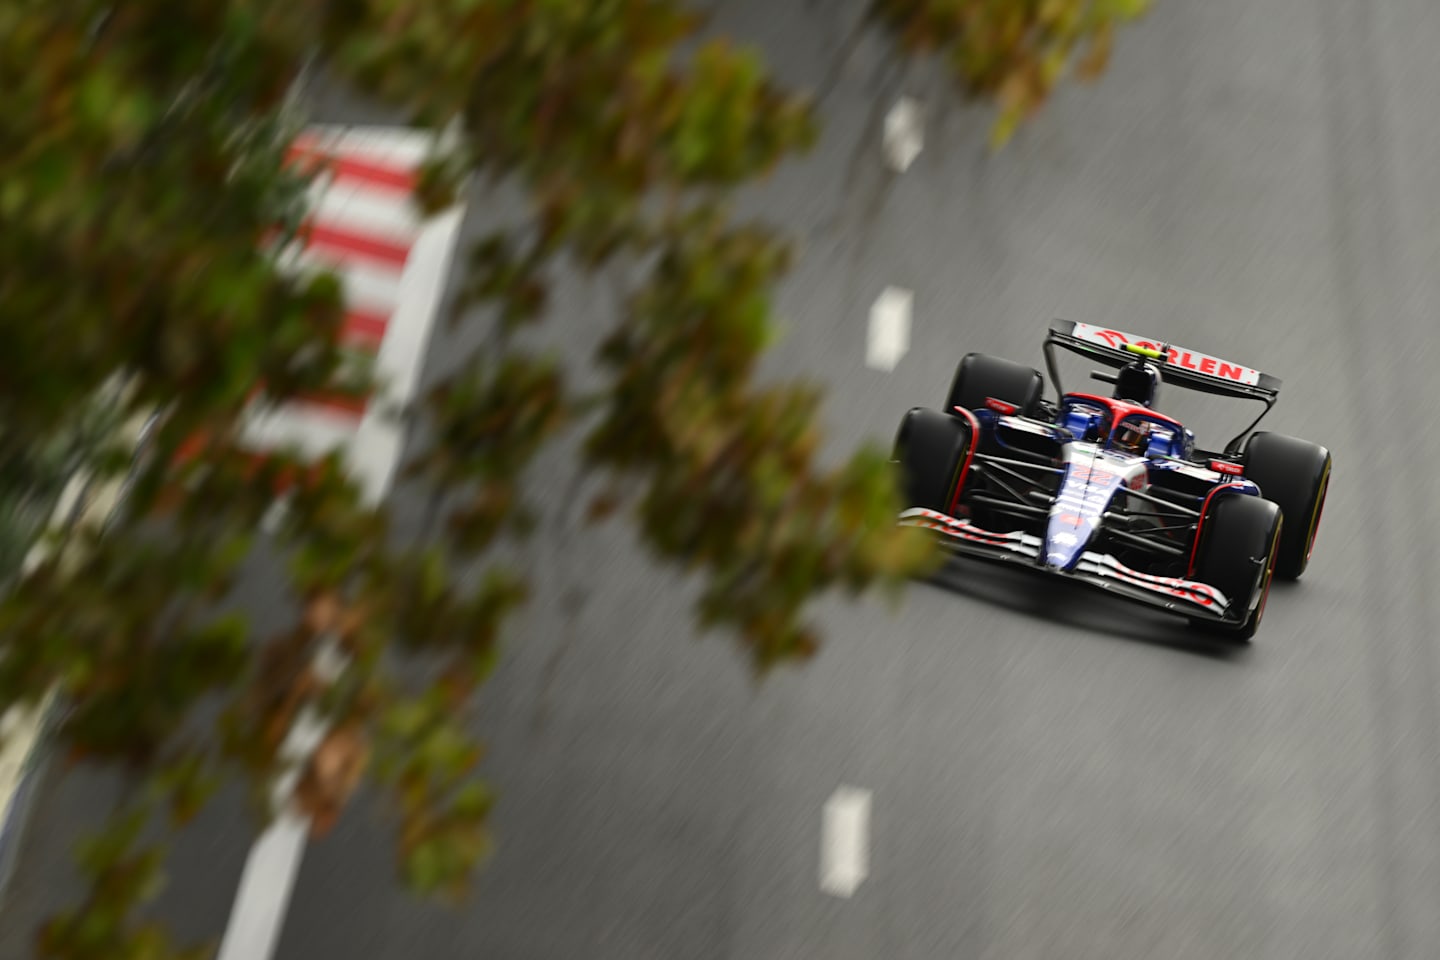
{"x":889,"y":337}
{"x":845,"y":842}
{"x":904,"y":134}
{"x":265,"y":890}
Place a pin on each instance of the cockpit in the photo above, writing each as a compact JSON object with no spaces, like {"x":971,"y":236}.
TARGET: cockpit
{"x":1138,"y":433}
{"x":1149,"y":437}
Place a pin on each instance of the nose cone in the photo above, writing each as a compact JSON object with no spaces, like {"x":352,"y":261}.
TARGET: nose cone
{"x":1089,"y":483}
{"x":1066,"y":537}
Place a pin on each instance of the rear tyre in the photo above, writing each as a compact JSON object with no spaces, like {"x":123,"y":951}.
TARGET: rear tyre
{"x":1296,"y":475}
{"x":931,"y":448}
{"x":1239,"y":546}
{"x":979,"y":377}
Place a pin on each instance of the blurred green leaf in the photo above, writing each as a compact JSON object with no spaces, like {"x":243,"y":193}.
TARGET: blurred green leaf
{"x":1015,"y":51}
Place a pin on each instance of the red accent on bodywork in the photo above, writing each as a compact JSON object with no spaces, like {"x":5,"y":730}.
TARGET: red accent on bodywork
{"x":1120,"y":409}
{"x":1195,"y":547}
{"x":1220,"y":466}
{"x":969,"y":456}
{"x":1200,"y":593}
{"x":1000,"y":406}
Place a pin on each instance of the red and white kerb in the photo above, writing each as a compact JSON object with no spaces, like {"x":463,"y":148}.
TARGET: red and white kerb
{"x":392,"y":266}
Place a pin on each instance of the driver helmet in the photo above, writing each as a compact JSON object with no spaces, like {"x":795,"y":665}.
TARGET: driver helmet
{"x":1133,"y":436}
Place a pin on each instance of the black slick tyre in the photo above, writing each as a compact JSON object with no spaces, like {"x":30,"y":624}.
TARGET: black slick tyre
{"x":1240,"y":539}
{"x":979,"y":377}
{"x":932,"y":449}
{"x":1295,"y":474}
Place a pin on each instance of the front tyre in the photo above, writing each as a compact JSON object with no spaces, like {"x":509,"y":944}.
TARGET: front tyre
{"x":1296,"y":475}
{"x":932,"y":449}
{"x":1240,"y":540}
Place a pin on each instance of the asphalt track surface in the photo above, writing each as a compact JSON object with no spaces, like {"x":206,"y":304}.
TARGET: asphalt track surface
{"x":1053,"y":774}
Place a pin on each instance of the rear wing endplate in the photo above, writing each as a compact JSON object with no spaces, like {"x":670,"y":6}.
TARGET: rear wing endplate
{"x":1185,"y":368}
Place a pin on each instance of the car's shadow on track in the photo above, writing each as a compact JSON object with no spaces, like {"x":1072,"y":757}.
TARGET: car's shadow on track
{"x":1055,"y":601}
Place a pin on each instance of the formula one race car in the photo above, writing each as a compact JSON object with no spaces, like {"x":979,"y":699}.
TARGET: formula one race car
{"x":1108,"y":490}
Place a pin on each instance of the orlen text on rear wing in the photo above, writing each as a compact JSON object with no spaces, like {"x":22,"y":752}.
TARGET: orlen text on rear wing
{"x":1189,"y":369}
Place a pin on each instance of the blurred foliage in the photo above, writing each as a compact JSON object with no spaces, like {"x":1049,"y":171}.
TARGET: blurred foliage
{"x":143,"y":191}
{"x":1013,"y":50}
{"x":34,"y":478}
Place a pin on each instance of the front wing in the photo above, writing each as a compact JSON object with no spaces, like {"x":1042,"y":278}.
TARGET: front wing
{"x":1187,"y":597}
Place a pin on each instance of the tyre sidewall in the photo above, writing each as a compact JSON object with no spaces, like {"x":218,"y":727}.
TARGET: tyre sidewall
{"x":1238,"y":528}
{"x":931,"y":449}
{"x":1295,"y":474}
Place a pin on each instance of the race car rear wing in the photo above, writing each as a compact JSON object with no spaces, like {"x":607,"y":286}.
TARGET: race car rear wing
{"x":1185,"y":368}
